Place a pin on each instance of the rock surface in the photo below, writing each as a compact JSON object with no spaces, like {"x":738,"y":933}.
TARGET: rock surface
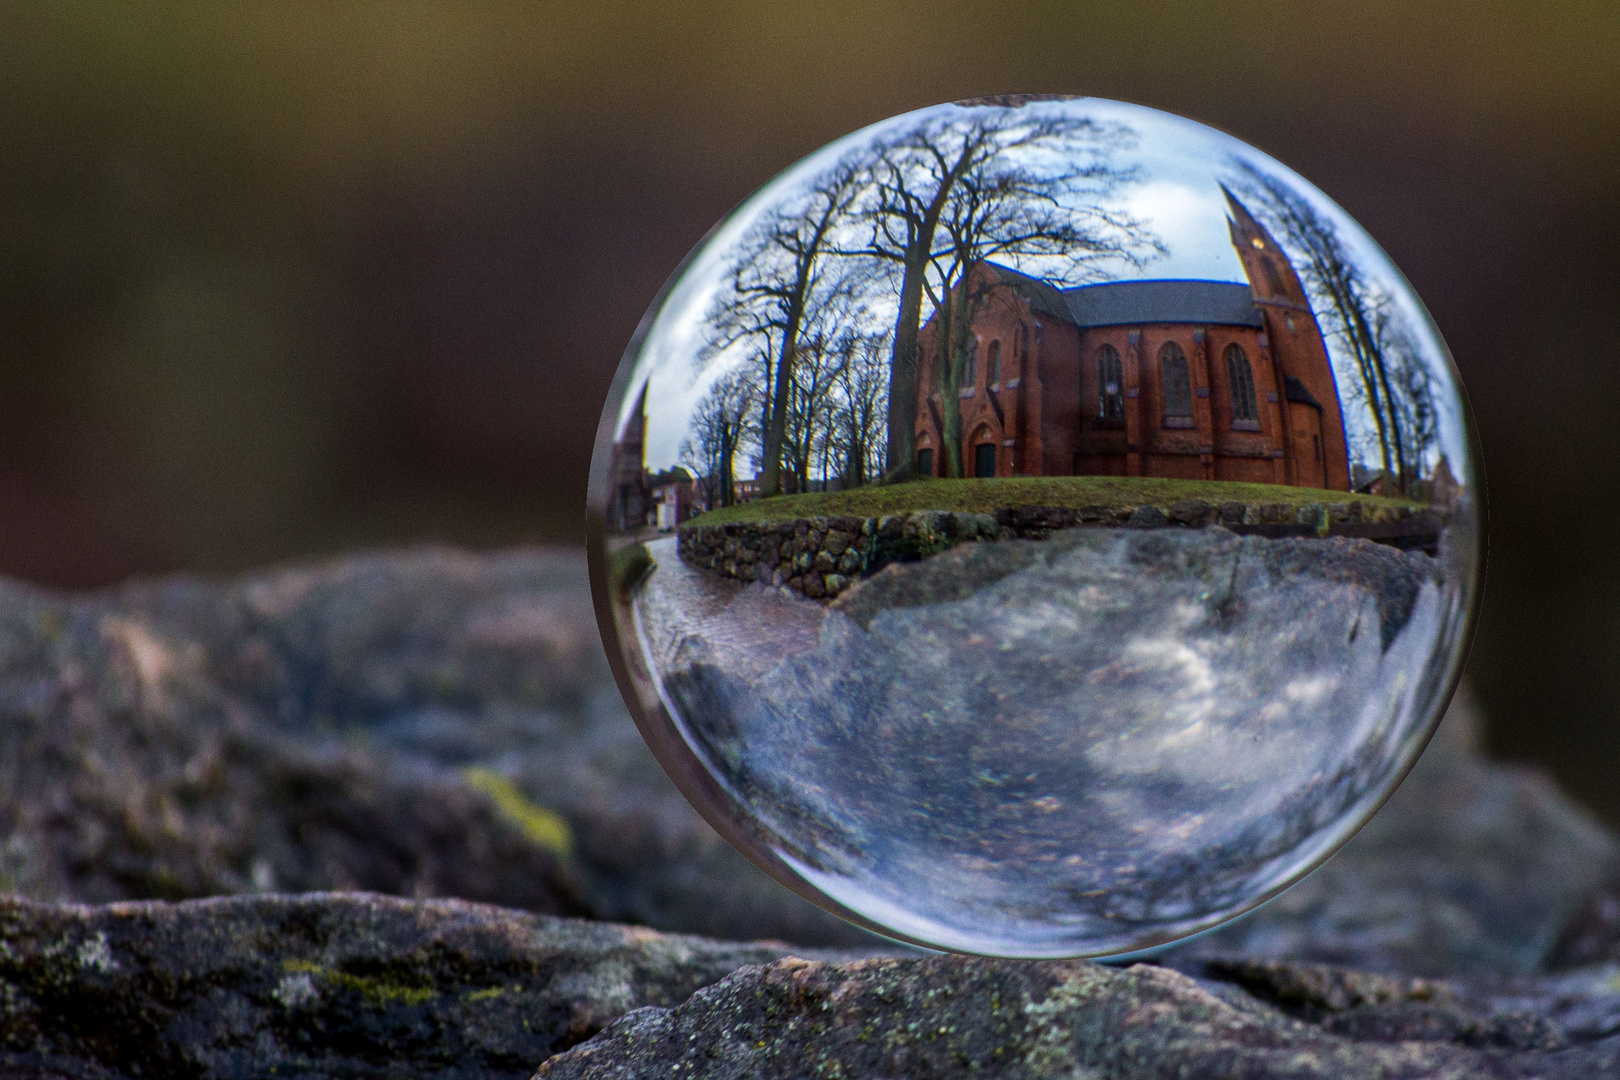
{"x":429,"y":723}
{"x":1472,"y":868}
{"x":324,"y":985}
{"x":172,"y":738}
{"x":966,"y":1017}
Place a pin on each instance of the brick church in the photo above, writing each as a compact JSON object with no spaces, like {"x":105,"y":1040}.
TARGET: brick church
{"x":1205,"y":380}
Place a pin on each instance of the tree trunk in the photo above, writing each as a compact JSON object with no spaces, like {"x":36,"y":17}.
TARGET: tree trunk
{"x":855,"y":467}
{"x":728,"y":451}
{"x":902,"y":442}
{"x":1376,"y":357}
{"x":770,"y":482}
{"x":1346,"y":304}
{"x":1369,"y":382}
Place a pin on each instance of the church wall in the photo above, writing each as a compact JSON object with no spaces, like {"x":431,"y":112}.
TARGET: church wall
{"x":1047,"y":402}
{"x":1302,"y":353}
{"x":1169,"y":446}
{"x":1102,"y":443}
{"x":1305,"y":449}
{"x":1166,"y":449}
{"x":1055,"y":397}
{"x":998,"y":412}
{"x":1240,"y":454}
{"x":1043,"y":417}
{"x":1211,"y":448}
{"x":982,"y":410}
{"x":1022,"y":373}
{"x":1247,"y":470}
{"x":1295,"y":339}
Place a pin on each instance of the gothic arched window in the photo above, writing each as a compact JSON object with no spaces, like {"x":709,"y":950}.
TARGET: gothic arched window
{"x":1177,"y":386}
{"x":1240,"y":377}
{"x":970,"y":367}
{"x":993,"y":376}
{"x":1110,"y":392}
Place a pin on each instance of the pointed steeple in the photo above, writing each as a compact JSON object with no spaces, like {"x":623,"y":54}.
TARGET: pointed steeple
{"x":1270,"y":273}
{"x":1244,"y":228}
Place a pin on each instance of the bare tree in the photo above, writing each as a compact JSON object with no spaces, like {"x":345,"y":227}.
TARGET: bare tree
{"x":997,"y":210}
{"x":781,"y":273}
{"x":916,"y":183}
{"x":857,"y":427}
{"x":832,"y":322}
{"x":1351,"y":307}
{"x":1412,"y":388}
{"x":907,"y":216}
{"x":810,"y":405}
{"x":719,"y":431}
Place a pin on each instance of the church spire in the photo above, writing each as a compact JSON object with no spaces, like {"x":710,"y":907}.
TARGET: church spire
{"x":1244,"y":228}
{"x":1270,"y":273}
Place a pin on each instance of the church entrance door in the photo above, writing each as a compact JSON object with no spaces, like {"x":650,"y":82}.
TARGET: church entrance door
{"x":1305,"y":423}
{"x":984,"y":460}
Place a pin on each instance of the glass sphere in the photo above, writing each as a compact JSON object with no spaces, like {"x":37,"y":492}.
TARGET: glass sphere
{"x":1037,"y":527}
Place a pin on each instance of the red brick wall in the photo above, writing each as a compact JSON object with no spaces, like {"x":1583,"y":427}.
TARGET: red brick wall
{"x":1046,"y":404}
{"x":1008,"y":410}
{"x":1295,"y":343}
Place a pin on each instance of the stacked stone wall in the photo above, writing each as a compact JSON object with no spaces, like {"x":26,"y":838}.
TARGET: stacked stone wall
{"x":819,"y":557}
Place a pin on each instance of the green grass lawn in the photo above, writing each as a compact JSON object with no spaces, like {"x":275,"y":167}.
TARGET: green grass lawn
{"x":986,"y":496}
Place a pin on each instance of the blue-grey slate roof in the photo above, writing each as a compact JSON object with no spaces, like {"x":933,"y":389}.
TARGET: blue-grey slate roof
{"x":1294,"y":390}
{"x":1119,"y":303}
{"x":1041,"y":295}
{"x":1127,"y":303}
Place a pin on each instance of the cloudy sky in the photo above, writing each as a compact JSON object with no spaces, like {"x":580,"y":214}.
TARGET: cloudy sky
{"x":1181,"y":164}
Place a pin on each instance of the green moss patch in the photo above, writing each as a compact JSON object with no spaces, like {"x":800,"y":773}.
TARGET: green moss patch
{"x":374,"y":990}
{"x":626,"y":566}
{"x":543,"y":827}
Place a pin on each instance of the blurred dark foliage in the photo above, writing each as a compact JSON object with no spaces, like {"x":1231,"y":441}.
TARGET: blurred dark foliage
{"x":284,"y":279}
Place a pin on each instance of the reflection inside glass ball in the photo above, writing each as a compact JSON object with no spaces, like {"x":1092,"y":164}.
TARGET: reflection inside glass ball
{"x":1037,"y":527}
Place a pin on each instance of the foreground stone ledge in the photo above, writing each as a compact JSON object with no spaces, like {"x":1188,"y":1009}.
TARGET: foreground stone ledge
{"x":819,"y":557}
{"x":309,"y":724}
{"x":306,"y":728}
{"x":421,"y":723}
{"x":960,"y":1017}
{"x":324,"y":985}
{"x":358,"y":985}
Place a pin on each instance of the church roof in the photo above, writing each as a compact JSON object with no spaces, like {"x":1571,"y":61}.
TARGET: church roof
{"x":1127,"y":303}
{"x":1120,"y":302}
{"x":1041,"y":295}
{"x":1294,"y":390}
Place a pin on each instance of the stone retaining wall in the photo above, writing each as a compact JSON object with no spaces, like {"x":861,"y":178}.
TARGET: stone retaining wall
{"x":819,"y":557}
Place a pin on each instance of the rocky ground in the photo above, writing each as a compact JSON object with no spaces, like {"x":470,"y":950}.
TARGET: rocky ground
{"x":359,"y":725}
{"x":362,"y":725}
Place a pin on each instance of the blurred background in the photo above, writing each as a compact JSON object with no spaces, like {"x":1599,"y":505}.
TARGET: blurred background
{"x":282,"y":279}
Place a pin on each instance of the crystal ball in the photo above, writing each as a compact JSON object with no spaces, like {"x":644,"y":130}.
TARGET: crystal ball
{"x":1037,"y":527}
